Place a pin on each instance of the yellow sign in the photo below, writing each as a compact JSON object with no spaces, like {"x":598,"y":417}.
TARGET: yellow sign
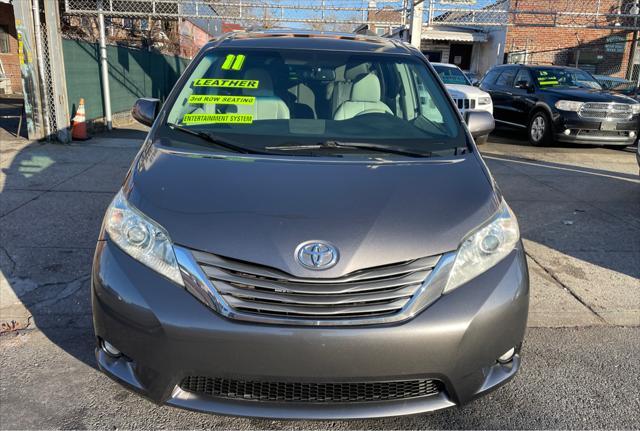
{"x":548,"y":81}
{"x":217,"y":119}
{"x":221,"y":100}
{"x":226,"y":83}
{"x":233,"y":62}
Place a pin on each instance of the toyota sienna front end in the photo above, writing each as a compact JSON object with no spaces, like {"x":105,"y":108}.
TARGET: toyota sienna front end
{"x":309,"y":232}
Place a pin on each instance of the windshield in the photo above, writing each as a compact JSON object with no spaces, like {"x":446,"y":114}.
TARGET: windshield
{"x":451,"y":75}
{"x":558,"y":77}
{"x":264,"y":99}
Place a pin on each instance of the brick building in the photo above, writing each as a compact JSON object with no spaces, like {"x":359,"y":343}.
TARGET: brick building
{"x":602,"y":52}
{"x":9,"y":51}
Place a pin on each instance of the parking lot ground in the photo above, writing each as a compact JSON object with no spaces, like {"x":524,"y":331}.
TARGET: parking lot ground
{"x":579,"y":214}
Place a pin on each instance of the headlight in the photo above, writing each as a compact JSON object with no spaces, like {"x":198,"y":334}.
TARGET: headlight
{"x":569,"y":105}
{"x":484,"y":100}
{"x":484,"y":247}
{"x":635,"y":108}
{"x":141,"y":238}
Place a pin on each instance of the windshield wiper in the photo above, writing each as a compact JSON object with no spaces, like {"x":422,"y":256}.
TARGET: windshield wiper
{"x":214,"y":140}
{"x":352,"y":145}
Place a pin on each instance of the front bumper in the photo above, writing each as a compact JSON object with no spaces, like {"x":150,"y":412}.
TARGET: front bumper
{"x":167,"y":334}
{"x":586,"y":131}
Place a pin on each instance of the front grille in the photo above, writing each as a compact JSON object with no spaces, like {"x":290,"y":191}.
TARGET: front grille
{"x":466,"y":103}
{"x":269,"y":292}
{"x":606,"y":111}
{"x":310,"y":392}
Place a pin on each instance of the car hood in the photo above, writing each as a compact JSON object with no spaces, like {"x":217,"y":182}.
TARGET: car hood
{"x":589,"y":95}
{"x":259,"y":209}
{"x":465,"y":90}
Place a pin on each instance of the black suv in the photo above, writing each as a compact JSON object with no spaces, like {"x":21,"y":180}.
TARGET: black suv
{"x":560,"y":104}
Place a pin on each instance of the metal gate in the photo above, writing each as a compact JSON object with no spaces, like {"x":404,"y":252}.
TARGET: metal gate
{"x":383,"y":16}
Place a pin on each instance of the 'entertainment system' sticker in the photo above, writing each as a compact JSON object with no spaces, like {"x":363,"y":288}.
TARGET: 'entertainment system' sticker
{"x":217,"y":119}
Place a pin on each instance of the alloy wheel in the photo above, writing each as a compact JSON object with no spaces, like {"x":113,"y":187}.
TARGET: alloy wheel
{"x":538,"y":127}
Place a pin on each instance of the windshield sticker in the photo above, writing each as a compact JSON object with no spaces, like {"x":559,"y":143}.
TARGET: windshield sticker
{"x":196,"y":99}
{"x":545,"y":79}
{"x":217,"y":119}
{"x":548,"y":80}
{"x":227,"y":83}
{"x":233,"y":62}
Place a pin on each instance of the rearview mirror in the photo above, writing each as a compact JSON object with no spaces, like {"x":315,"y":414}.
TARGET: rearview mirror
{"x":479,"y":123}
{"x":145,"y":110}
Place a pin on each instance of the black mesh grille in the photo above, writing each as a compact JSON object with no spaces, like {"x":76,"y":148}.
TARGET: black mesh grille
{"x":310,"y":392}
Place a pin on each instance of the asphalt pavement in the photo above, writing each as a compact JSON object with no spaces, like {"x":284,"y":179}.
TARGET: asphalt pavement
{"x":579,"y":214}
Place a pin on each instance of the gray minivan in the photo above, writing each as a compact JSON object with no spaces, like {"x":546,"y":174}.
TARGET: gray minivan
{"x":309,"y":231}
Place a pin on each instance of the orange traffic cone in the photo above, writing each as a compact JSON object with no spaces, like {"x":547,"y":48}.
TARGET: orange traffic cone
{"x":79,"y":126}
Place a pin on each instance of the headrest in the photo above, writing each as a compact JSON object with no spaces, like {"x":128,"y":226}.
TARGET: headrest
{"x":354,"y":70}
{"x":366,"y":89}
{"x":265,"y":83}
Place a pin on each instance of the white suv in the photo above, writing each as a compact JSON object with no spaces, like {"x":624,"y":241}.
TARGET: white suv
{"x":466,"y":96}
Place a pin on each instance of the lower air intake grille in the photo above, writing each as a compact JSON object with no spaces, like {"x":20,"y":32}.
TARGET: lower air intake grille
{"x":310,"y":392}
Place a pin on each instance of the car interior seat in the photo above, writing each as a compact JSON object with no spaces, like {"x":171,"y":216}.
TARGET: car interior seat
{"x":365,"y":98}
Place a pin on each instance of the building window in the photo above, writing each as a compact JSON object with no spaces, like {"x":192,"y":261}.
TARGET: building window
{"x":127,"y":23}
{"x":4,"y":40}
{"x":380,"y":31}
{"x":144,"y":24}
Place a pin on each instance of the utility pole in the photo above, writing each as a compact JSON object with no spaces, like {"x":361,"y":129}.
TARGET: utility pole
{"x":635,"y":10}
{"x":104,"y":68}
{"x":415,"y":24}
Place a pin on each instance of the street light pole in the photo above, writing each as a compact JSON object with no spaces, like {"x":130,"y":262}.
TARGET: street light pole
{"x":104,"y":68}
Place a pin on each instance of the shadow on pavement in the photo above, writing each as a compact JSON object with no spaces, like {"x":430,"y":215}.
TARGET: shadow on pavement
{"x":52,"y":200}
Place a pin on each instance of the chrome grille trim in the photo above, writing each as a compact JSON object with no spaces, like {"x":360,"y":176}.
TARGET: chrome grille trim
{"x":606,"y":111}
{"x":245,"y":291}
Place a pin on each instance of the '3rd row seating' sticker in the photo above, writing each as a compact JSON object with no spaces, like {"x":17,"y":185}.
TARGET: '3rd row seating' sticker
{"x":196,"y":99}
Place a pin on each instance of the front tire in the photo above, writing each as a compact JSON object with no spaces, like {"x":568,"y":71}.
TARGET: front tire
{"x":539,"y":129}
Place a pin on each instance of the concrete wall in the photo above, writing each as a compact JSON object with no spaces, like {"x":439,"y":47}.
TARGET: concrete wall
{"x":488,"y":54}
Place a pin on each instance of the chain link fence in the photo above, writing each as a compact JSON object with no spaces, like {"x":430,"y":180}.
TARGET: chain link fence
{"x":593,"y":14}
{"x":47,"y":80}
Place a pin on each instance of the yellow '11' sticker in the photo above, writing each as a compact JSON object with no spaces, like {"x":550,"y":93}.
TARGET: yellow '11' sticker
{"x":221,"y":100}
{"x":217,"y":119}
{"x":227,"y":83}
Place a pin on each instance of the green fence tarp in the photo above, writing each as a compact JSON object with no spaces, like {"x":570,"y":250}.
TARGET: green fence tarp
{"x":133,"y":73}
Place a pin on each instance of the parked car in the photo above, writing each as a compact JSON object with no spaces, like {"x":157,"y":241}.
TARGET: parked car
{"x":609,"y":82}
{"x":465,"y":95}
{"x":560,"y":104}
{"x":619,"y":85}
{"x":301,"y":237}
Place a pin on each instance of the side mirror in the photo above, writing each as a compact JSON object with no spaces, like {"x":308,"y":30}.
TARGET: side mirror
{"x":479,"y":123}
{"x":145,"y":110}
{"x":476,"y":83}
